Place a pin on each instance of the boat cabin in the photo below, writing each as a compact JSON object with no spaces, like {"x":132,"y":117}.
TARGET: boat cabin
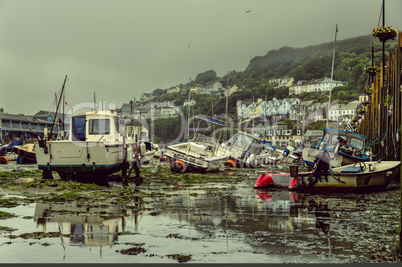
{"x":245,"y":142}
{"x":355,"y":144}
{"x":95,"y":126}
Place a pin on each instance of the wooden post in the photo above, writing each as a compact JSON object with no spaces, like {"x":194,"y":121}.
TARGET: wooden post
{"x":374,"y":96}
{"x":399,"y":60}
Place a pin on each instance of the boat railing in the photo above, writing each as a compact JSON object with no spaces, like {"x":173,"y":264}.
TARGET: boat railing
{"x":63,"y":135}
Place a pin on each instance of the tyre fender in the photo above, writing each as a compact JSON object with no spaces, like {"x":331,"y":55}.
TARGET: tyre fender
{"x":179,"y":166}
{"x":3,"y":160}
{"x":230,"y":163}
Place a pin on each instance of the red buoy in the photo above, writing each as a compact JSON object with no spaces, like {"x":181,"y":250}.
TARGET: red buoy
{"x":264,"y":180}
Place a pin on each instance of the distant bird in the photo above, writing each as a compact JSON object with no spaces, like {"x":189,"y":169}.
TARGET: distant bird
{"x":248,"y":11}
{"x":188,"y":46}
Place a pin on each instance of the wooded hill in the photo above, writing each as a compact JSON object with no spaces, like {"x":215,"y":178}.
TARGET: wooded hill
{"x":352,"y":56}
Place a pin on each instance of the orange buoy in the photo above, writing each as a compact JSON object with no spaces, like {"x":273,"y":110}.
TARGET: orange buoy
{"x":230,"y":163}
{"x":3,"y":160}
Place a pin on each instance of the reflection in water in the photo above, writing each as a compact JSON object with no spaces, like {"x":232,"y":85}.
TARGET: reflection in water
{"x":274,"y":221}
{"x":302,"y":207}
{"x":265,"y":222}
{"x":96,"y":226}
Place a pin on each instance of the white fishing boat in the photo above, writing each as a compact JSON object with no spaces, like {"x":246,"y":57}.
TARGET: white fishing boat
{"x":202,"y":153}
{"x":96,"y":145}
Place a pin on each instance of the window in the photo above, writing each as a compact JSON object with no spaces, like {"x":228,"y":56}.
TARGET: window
{"x":356,"y":143}
{"x":78,"y":128}
{"x":334,"y":139}
{"x":99,"y":126}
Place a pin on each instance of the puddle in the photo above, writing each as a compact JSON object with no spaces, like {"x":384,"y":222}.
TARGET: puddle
{"x":213,"y":222}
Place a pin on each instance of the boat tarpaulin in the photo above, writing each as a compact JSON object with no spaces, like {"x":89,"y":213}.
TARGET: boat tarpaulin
{"x":209,"y":119}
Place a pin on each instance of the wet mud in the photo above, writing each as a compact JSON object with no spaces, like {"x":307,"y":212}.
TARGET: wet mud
{"x":189,"y":218}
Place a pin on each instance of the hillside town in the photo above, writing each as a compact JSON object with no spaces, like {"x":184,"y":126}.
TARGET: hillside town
{"x":257,"y":116}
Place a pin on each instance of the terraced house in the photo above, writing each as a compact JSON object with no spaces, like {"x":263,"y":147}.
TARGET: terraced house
{"x":319,"y":85}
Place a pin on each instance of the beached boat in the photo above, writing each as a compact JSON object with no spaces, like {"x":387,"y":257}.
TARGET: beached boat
{"x":351,"y":151}
{"x":93,"y":147}
{"x":151,"y":151}
{"x":357,"y":177}
{"x":201,"y":153}
{"x":248,"y":150}
{"x":26,"y":153}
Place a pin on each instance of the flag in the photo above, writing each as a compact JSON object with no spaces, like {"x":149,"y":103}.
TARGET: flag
{"x":66,"y":103}
{"x":349,"y":127}
{"x":336,"y":27}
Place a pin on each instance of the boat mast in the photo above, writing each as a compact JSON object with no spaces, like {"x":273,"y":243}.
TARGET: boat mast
{"x":63,"y":113}
{"x":57,"y":108}
{"x":262,"y":115}
{"x":332,"y":74}
{"x":188,"y":115}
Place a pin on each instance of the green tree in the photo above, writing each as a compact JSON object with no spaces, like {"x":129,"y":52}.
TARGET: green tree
{"x":206,"y":77}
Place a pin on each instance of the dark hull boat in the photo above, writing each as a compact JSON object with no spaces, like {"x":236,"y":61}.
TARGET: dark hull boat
{"x":360,"y":176}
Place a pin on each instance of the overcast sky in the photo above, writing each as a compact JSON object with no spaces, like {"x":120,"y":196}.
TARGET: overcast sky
{"x":121,"y":49}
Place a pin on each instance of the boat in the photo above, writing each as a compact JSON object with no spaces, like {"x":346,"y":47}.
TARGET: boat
{"x":93,"y":147}
{"x":8,"y":148}
{"x":247,"y":150}
{"x":26,"y":153}
{"x":356,"y":177}
{"x":368,"y":176}
{"x":201,"y":153}
{"x":352,"y":150}
{"x":151,"y":151}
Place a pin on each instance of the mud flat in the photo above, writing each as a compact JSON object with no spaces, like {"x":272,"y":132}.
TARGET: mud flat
{"x":189,"y":218}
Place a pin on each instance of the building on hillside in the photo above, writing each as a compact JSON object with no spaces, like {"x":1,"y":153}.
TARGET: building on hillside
{"x":212,"y":89}
{"x":281,"y":82}
{"x":241,"y":108}
{"x":173,"y":90}
{"x":285,"y":82}
{"x":317,"y":111}
{"x":280,"y":135}
{"x":274,"y":81}
{"x":190,"y":102}
{"x":297,"y":88}
{"x":319,"y":85}
{"x":334,"y":111}
{"x":233,"y":89}
{"x":348,"y":111}
{"x":164,"y":110}
{"x":312,"y":136}
{"x":275,"y":109}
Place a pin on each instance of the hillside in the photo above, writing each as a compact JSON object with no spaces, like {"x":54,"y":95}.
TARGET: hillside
{"x":313,"y":62}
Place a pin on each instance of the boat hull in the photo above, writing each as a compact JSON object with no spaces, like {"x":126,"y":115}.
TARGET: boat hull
{"x":341,"y":181}
{"x":26,"y":153}
{"x":195,"y":156}
{"x":85,"y":158}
